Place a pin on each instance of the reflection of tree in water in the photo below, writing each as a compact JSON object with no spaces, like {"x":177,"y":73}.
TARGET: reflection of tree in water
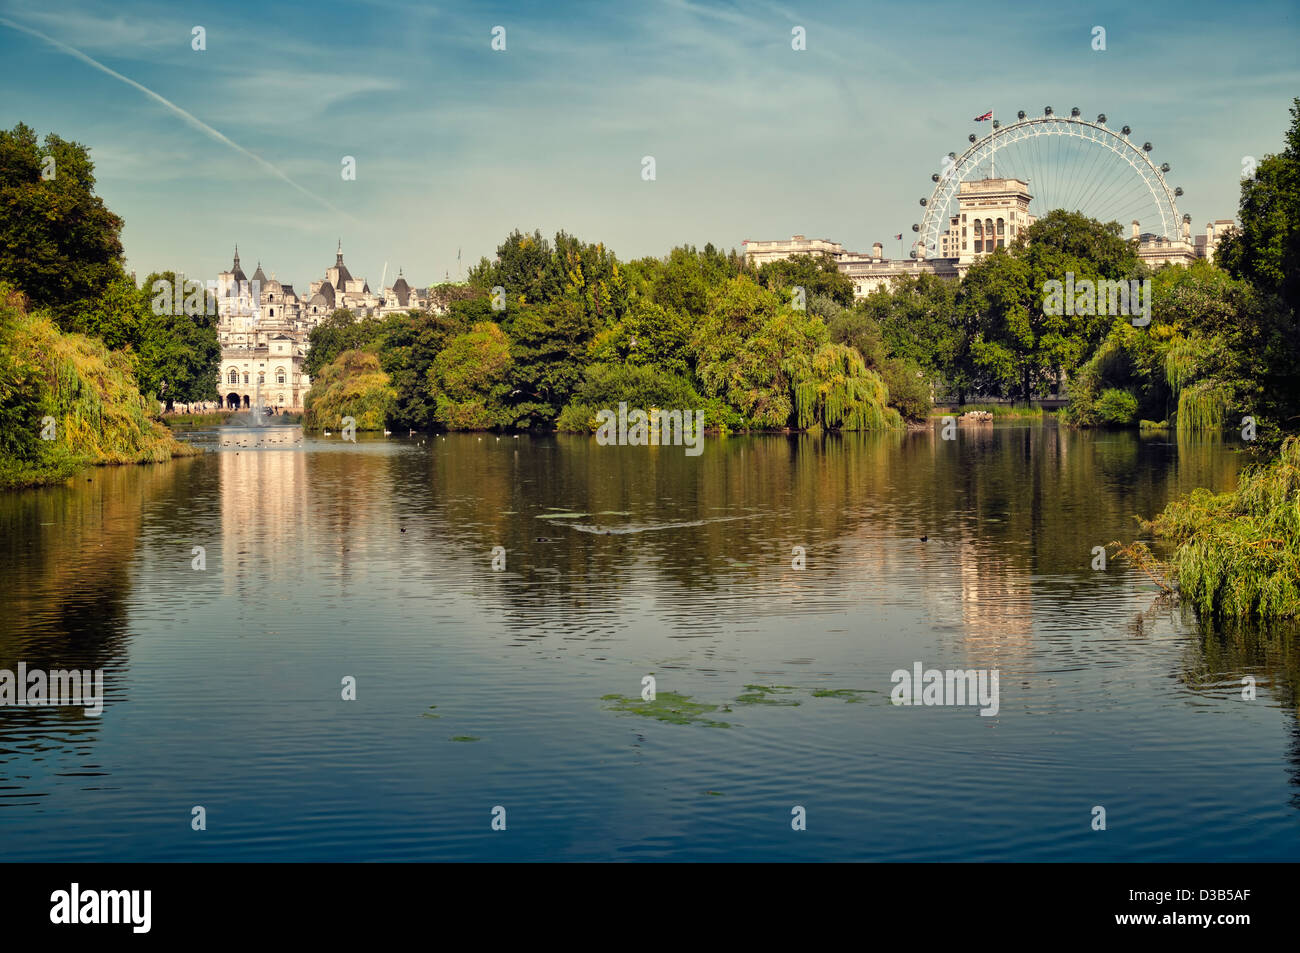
{"x":1017,"y":501}
{"x":66,"y":555}
{"x":1222,"y":654}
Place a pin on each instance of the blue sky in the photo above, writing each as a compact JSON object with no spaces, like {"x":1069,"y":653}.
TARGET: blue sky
{"x":457,"y":144}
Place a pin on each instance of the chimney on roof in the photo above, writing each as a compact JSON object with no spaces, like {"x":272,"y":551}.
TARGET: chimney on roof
{"x":1136,"y":230}
{"x":878,"y":251}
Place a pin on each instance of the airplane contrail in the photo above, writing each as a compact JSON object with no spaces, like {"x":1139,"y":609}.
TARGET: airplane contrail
{"x":188,"y":117}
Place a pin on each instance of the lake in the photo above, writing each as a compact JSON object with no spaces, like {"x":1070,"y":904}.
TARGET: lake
{"x":519,"y":686}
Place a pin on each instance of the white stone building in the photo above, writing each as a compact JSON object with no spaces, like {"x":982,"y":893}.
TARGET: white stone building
{"x":263,"y":327}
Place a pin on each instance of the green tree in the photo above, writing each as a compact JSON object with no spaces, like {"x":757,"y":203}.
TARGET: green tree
{"x":744,"y":347}
{"x":1265,"y":249}
{"x":549,"y":353}
{"x":179,"y":350}
{"x":341,"y":331}
{"x":352,"y":385}
{"x":468,"y":380}
{"x":411,"y":342}
{"x":816,"y":274}
{"x":59,"y":244}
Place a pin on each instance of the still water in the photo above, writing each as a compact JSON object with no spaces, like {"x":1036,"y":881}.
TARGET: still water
{"x":479,"y":688}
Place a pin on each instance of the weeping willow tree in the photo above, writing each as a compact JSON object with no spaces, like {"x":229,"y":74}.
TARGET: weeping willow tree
{"x":1237,"y":554}
{"x":66,"y":401}
{"x":834,"y":390}
{"x":1201,"y":408}
{"x":1202,"y":404}
{"x":351,"y":385}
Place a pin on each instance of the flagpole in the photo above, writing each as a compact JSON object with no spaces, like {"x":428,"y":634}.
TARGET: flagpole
{"x":993,"y":156}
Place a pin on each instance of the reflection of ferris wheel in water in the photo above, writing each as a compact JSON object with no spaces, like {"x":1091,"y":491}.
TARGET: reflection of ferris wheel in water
{"x":1068,"y":162}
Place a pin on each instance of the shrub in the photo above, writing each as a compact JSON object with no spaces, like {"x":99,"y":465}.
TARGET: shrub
{"x":1116,"y":407}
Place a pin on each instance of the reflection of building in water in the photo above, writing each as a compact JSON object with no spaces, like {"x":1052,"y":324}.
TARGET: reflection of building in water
{"x":987,"y":597}
{"x":264,"y":525}
{"x":997,"y":606}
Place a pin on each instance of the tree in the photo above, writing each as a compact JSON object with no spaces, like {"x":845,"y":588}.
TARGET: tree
{"x":549,"y":353}
{"x":816,"y":274}
{"x":744,"y":347}
{"x":179,"y":349}
{"x":468,"y":380}
{"x":340,"y":332}
{"x":352,"y":385}
{"x":411,"y":342}
{"x":59,"y":244}
{"x":1265,"y":250}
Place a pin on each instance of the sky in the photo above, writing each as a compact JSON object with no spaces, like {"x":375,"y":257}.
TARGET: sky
{"x":457,"y":144}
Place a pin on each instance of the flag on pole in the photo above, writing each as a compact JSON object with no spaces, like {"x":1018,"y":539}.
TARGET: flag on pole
{"x":987,"y":115}
{"x":899,"y":236}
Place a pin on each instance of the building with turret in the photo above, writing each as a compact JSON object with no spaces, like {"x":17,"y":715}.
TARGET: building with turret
{"x":263,"y":327}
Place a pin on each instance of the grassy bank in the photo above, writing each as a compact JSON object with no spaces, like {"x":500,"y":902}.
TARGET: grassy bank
{"x":213,"y":419}
{"x":67,"y":402}
{"x":1237,"y":554}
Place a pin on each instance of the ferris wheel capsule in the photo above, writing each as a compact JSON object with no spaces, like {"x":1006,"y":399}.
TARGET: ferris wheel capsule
{"x":1047,"y":110}
{"x":1178,"y":191}
{"x":1164,"y":167}
{"x":1101,"y":118}
{"x":934,"y":177}
{"x":997,"y":123}
{"x":1075,"y":112}
{"x":1021,"y":114}
{"x":925,"y":201}
{"x":1125,"y":131}
{"x":972,"y":137}
{"x":1147,"y":147}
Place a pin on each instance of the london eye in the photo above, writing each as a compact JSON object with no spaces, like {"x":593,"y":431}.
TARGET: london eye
{"x":1067,"y":162}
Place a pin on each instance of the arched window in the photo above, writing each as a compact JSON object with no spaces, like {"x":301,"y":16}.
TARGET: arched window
{"x":1002,"y":227}
{"x":261,"y":377}
{"x":273,"y":309}
{"x":279,"y":375}
{"x":234,"y":376}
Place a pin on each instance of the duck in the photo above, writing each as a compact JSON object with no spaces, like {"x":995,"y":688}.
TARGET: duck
{"x":327,"y":433}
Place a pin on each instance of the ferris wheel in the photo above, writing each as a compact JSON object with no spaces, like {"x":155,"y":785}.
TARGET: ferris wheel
{"x":1069,"y":163}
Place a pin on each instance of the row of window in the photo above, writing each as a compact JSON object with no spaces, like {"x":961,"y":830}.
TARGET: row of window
{"x":233,"y":377}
